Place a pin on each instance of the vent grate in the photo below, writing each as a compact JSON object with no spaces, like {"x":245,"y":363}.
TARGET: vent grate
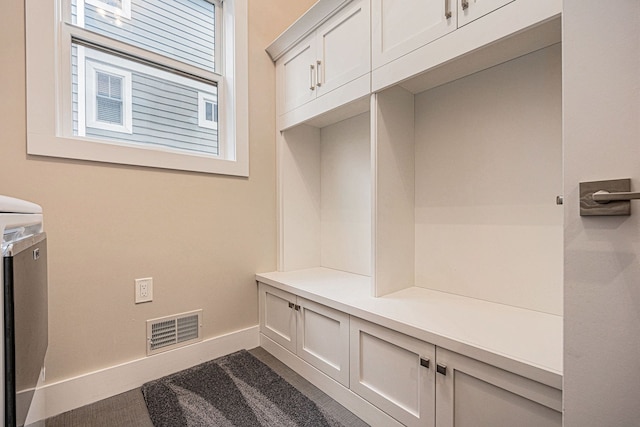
{"x":170,"y":332}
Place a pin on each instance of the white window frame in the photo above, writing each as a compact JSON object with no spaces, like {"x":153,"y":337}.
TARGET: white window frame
{"x":49,"y":121}
{"x":87,"y":90}
{"x":203,"y":99}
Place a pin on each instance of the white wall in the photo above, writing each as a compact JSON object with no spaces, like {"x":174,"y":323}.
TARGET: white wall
{"x":345,"y":189}
{"x":601,"y":95}
{"x":488,"y":169}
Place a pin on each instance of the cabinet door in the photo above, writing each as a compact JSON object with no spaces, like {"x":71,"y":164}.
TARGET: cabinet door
{"x":388,"y":369}
{"x":344,"y":47}
{"x":296,"y":75}
{"x":323,"y":339}
{"x":469,"y":10}
{"x":278,"y":316}
{"x":472,"y":393}
{"x":401,"y":26}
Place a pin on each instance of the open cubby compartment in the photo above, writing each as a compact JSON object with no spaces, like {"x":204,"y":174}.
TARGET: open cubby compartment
{"x":466,"y":176}
{"x":324,"y":193}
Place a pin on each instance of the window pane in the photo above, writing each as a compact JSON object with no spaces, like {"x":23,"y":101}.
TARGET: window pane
{"x":183,"y":30}
{"x":102,"y":83}
{"x":115,"y":87}
{"x":163,"y":105}
{"x":109,"y":110}
{"x":208,"y":111}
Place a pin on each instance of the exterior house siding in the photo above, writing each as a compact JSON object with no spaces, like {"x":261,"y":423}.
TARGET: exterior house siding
{"x":181,"y":31}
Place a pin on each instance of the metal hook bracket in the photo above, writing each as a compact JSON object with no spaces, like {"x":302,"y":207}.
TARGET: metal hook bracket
{"x":606,"y":198}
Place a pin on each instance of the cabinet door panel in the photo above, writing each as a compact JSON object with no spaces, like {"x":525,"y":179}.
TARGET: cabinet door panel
{"x":277,"y":318}
{"x":476,"y":9}
{"x":386,"y":371}
{"x":323,"y":339}
{"x":344,"y":47}
{"x":400,"y":26}
{"x":295,"y":77}
{"x":473,"y":393}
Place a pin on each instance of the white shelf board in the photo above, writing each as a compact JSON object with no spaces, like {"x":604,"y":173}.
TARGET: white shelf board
{"x":526,"y":342}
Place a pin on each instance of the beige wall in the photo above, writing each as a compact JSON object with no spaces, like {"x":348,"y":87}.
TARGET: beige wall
{"x":201,"y":237}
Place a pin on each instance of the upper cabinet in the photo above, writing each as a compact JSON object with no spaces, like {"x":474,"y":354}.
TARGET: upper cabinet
{"x":296,"y":75}
{"x":400,"y":26}
{"x":335,"y":54}
{"x":421,"y":44}
{"x":343,"y":48}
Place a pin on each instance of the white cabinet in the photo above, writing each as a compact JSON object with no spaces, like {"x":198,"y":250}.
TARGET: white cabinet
{"x":393,"y":371}
{"x":296,"y":75}
{"x":420,"y":384}
{"x":278,"y":316}
{"x":317,"y":334}
{"x":470,"y":393}
{"x":401,"y":26}
{"x":336,"y":53}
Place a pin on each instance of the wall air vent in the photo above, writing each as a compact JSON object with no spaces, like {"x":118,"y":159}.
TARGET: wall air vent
{"x":171,"y":332}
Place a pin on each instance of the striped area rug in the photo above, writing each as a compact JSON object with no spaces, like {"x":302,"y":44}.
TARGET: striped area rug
{"x":234,"y":390}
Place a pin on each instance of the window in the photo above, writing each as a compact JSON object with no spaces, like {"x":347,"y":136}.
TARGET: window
{"x":207,"y":111}
{"x":107,"y":105}
{"x":159,"y":83}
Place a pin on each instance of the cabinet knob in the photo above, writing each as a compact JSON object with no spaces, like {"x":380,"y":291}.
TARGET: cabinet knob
{"x":291,"y":305}
{"x":465,"y":4}
{"x":441,"y":369}
{"x":424,"y":362}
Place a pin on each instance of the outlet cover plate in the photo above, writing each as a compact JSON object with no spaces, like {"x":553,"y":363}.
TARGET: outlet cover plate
{"x":144,"y":290}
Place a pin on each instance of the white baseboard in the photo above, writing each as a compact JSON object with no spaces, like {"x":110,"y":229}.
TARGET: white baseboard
{"x":367,"y":412}
{"x":56,"y":398}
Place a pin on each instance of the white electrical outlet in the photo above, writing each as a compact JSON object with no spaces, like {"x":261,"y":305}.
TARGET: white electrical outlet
{"x":144,"y":290}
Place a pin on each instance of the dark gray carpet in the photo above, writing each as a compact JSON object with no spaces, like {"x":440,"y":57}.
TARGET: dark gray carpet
{"x":234,"y":390}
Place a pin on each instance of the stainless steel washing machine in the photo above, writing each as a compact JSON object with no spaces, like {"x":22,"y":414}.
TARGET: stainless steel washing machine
{"x":25,"y":306}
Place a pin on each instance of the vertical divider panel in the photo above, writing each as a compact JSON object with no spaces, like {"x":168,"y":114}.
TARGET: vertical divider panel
{"x":299,"y":198}
{"x":393,"y":169}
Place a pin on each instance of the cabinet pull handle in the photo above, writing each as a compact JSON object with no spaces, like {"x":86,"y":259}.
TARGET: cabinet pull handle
{"x":447,"y":9}
{"x":311,"y":76}
{"x":291,"y":305}
{"x":319,"y":75}
{"x":441,"y":369}
{"x":296,"y":307}
{"x":465,"y":4}
{"x":424,"y":362}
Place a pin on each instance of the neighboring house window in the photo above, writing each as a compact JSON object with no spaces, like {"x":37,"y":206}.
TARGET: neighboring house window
{"x":207,"y":111}
{"x":139,"y":82}
{"x":120,"y":8}
{"x":107,"y":94}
